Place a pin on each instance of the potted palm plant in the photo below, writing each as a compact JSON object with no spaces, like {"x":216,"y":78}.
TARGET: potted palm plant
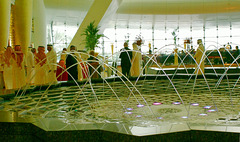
{"x":92,"y":36}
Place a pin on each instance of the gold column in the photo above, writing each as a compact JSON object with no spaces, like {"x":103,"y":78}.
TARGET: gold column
{"x":175,"y":56}
{"x":5,"y":9}
{"x":112,"y":46}
{"x":12,"y":30}
{"x":23,"y":23}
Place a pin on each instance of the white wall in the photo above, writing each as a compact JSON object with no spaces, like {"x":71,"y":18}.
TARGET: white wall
{"x":39,"y":24}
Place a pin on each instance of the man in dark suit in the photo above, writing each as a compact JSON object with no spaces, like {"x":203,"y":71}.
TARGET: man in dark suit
{"x":126,"y":56}
{"x":71,"y":64}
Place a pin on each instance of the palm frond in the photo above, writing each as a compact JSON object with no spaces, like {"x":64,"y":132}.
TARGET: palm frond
{"x":91,"y":36}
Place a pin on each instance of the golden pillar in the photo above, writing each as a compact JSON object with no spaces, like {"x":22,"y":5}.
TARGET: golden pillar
{"x":12,"y":30}
{"x":5,"y":10}
{"x":175,"y":56}
{"x":112,"y":46}
{"x":149,"y":46}
{"x":23,"y":23}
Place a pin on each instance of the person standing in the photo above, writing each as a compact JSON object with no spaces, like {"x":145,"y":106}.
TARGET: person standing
{"x":236,"y":53}
{"x":83,"y":64}
{"x":79,"y":59}
{"x":29,"y":62}
{"x":126,"y":56}
{"x":1,"y":70}
{"x":199,"y":58}
{"x":52,"y":64}
{"x":64,"y":54}
{"x":40,"y":62}
{"x":8,"y":68}
{"x":18,"y":68}
{"x":136,"y":61}
{"x":33,"y":50}
{"x":94,"y":67}
{"x":61,"y":73}
{"x":72,"y":64}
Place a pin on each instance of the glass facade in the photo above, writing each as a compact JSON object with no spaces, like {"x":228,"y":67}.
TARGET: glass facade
{"x":216,"y":31}
{"x":60,"y":34}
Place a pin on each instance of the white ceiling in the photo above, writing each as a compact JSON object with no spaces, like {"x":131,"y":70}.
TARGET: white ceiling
{"x":78,"y":5}
{"x":71,"y":11}
{"x":178,"y":6}
{"x":150,"y":11}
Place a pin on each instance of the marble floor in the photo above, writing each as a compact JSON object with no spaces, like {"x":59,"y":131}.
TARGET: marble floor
{"x":142,"y":107}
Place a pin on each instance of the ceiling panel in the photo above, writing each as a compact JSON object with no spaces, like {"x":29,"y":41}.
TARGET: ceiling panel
{"x":65,"y":10}
{"x":159,"y":12}
{"x":78,"y":5}
{"x":178,"y":6}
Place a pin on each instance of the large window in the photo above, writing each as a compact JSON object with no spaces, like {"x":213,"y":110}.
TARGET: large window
{"x":215,"y":31}
{"x":60,"y":34}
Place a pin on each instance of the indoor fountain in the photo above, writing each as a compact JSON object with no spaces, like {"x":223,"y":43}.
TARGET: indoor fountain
{"x":164,"y":98}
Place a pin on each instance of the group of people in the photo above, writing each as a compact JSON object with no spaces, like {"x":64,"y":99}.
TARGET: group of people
{"x":40,"y":68}
{"x":13,"y":67}
{"x":76,"y":67}
{"x":131,"y":60}
{"x":73,"y":67}
{"x":21,"y":69}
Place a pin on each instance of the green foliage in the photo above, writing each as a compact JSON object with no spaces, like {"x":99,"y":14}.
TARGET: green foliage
{"x":92,"y":36}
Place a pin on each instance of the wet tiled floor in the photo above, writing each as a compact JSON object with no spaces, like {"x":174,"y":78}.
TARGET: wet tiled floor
{"x":154,"y":106}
